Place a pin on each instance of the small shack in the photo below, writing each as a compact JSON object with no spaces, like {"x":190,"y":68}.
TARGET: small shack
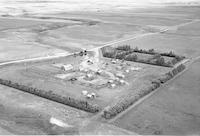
{"x":67,"y":67}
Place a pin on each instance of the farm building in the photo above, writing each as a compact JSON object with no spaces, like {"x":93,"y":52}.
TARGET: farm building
{"x":67,"y":67}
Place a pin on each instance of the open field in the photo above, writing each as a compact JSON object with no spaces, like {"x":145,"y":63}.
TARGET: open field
{"x":174,"y":109}
{"x":42,"y":35}
{"x":9,"y":50}
{"x":80,"y":37}
{"x":17,"y":42}
{"x":10,"y":23}
{"x":42,"y":38}
{"x":112,"y":26}
{"x":185,"y":40}
{"x":26,"y":114}
{"x":155,"y":16}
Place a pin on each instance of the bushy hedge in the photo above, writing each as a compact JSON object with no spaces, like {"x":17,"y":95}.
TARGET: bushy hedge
{"x":124,"y":47}
{"x":80,"y":104}
{"x":120,"y":106}
{"x":127,"y":101}
{"x":159,"y":61}
{"x":123,"y":104}
{"x":176,"y":59}
{"x":169,"y":75}
{"x":121,"y":54}
{"x":108,"y":52}
{"x":131,"y":57}
{"x":151,"y":51}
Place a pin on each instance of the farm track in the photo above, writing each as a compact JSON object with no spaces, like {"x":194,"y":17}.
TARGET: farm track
{"x":34,"y":59}
{"x":37,"y":19}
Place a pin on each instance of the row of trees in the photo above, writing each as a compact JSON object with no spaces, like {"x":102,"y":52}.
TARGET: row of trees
{"x":131,"y":98}
{"x":80,"y":104}
{"x":126,"y":101}
{"x":150,"y":51}
{"x":124,"y":48}
{"x":126,"y":53}
{"x":131,"y":56}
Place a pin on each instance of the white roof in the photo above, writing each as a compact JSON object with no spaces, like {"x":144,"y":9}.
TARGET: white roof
{"x":120,"y":75}
{"x":84,"y":92}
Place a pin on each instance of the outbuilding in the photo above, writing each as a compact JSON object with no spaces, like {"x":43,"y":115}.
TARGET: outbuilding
{"x":120,"y":75}
{"x":67,"y":67}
